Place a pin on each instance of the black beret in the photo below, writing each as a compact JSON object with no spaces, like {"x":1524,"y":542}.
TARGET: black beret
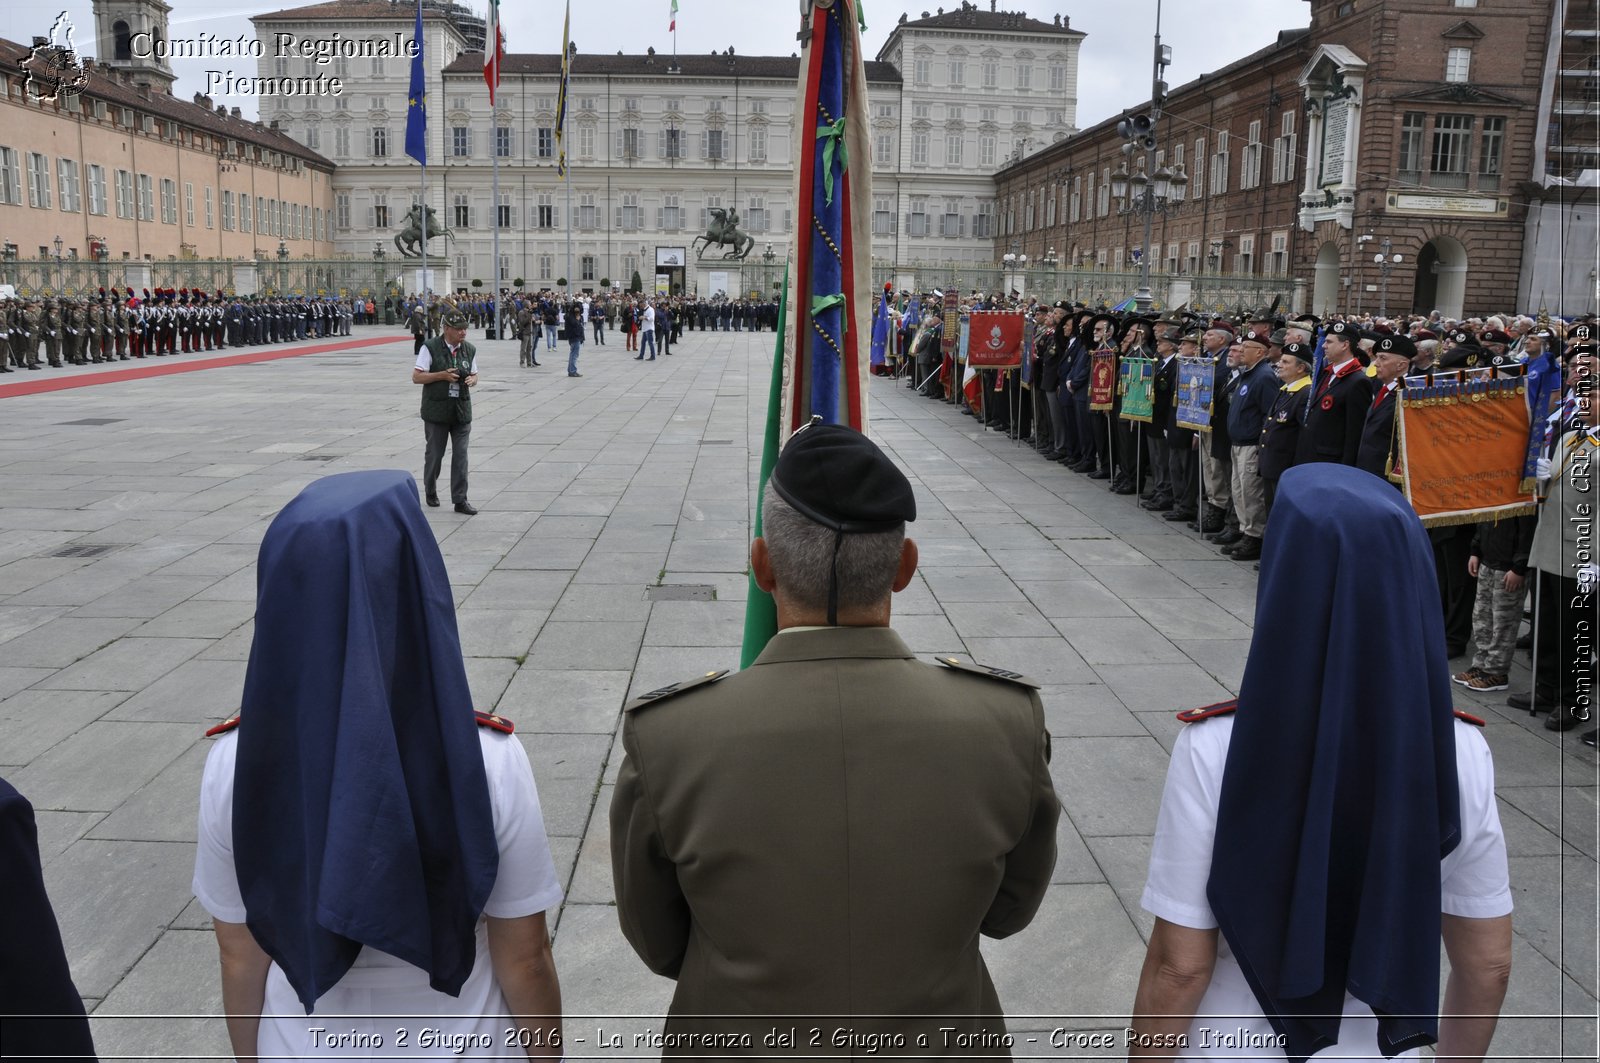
{"x":1494,"y":336}
{"x":1462,"y":358}
{"x":1393,"y":344}
{"x":1346,"y":331}
{"x":1302,"y":351}
{"x":839,"y":478}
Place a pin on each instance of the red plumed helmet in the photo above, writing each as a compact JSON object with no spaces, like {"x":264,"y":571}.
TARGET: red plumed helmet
{"x":146,"y":292}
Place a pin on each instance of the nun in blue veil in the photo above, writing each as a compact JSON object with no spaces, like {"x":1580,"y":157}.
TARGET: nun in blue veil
{"x":1319,"y":836}
{"x":369,"y":845}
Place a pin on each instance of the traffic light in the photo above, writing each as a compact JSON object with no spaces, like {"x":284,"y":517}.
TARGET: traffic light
{"x":1138,"y":129}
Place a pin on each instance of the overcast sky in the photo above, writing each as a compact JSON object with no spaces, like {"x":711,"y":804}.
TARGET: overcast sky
{"x":1113,"y":72}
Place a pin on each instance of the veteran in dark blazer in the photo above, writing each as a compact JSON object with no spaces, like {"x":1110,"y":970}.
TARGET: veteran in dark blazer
{"x":1340,"y":398}
{"x":825,"y":835}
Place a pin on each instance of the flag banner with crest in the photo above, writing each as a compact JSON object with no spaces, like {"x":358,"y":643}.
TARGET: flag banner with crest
{"x":494,"y":50}
{"x":996,"y":341}
{"x":826,"y":345}
{"x":1196,"y":377}
{"x":1462,"y":445}
{"x":561,"y":95}
{"x":1137,"y":388}
{"x":1102,"y":380}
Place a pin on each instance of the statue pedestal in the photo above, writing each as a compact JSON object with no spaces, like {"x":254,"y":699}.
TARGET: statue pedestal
{"x":432,"y":276}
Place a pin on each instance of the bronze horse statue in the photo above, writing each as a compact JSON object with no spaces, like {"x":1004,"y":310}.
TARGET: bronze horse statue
{"x":409,"y":239}
{"x":724,"y":232}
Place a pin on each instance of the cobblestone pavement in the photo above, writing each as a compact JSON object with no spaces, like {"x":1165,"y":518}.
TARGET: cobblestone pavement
{"x":132,"y":514}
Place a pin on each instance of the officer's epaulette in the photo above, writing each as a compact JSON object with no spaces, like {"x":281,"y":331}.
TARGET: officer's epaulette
{"x":1205,"y":712}
{"x":224,"y":727}
{"x":1467,"y":717}
{"x":988,"y":671}
{"x":495,"y":723}
{"x":672,"y":690}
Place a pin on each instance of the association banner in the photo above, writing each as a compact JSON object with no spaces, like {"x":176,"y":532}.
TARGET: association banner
{"x":1102,"y":380}
{"x":1196,"y":376}
{"x":952,"y":325}
{"x":1462,"y":448}
{"x":996,"y":341}
{"x":1137,"y":388}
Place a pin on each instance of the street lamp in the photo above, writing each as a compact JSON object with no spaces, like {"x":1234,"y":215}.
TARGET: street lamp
{"x":768,"y":256}
{"x":56,"y":243}
{"x":1386,"y":264}
{"x":1142,"y":193}
{"x":8,"y":255}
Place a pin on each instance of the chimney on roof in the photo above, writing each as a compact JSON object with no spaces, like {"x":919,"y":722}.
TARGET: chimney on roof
{"x":272,"y":124}
{"x":222,"y":112}
{"x":199,"y":99}
{"x":144,"y":89}
{"x":235,"y":113}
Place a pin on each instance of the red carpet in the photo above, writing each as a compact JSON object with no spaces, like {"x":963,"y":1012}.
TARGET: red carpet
{"x":52,"y":380}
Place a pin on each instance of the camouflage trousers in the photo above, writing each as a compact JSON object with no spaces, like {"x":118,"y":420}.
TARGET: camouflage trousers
{"x":1495,"y":620}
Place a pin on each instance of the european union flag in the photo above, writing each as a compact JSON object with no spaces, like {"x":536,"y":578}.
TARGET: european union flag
{"x":417,"y":102}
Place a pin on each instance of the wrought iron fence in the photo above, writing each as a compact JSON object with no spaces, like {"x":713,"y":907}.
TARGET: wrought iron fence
{"x":78,"y":277}
{"x":1209,"y":292}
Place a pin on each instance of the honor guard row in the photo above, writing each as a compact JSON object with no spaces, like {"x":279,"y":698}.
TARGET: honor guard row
{"x":118,"y":325}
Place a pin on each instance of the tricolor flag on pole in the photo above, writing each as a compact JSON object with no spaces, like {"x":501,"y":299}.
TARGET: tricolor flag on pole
{"x":561,"y":97}
{"x":673,"y":27}
{"x":494,"y":50}
{"x":826,"y":332}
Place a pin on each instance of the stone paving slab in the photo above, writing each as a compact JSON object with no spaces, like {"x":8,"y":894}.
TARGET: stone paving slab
{"x":593,"y":490}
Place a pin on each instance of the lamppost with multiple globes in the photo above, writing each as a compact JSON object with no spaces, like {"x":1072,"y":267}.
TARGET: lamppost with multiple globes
{"x":1015,"y":263}
{"x":56,"y":243}
{"x":1386,"y":264}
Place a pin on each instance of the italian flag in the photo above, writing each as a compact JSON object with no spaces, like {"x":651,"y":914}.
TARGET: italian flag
{"x":673,"y":28}
{"x":494,"y":50}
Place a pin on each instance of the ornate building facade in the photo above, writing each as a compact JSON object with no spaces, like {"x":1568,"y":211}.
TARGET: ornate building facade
{"x":1405,"y":129}
{"x":655,"y":144}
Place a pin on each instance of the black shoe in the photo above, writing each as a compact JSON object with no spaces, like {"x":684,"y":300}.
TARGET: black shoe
{"x":1158,"y":504}
{"x":1529,"y":704}
{"x":468,"y":508}
{"x":1051,"y":455}
{"x":538,"y":365}
{"x":1247,"y":549}
{"x":433,"y":500}
{"x":574,"y":374}
{"x":1560,"y":720}
{"x":1125,"y":489}
{"x":1227,"y":536}
{"x":1100,"y":474}
{"x":1210,"y":526}
{"x":1176,"y":515}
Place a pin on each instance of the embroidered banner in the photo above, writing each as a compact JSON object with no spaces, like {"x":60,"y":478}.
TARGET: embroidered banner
{"x":1102,"y":380}
{"x":1137,"y":389}
{"x":996,"y":341}
{"x":952,"y":325}
{"x":1462,"y":448}
{"x":1195,"y":379}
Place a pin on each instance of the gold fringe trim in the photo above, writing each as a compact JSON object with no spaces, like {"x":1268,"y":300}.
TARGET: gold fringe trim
{"x":1478,"y":516}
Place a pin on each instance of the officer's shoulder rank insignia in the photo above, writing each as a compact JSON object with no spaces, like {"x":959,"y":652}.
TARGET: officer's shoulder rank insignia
{"x":1467,"y":717}
{"x":224,"y":727}
{"x":1206,"y":712}
{"x":495,"y":723}
{"x":988,"y":671}
{"x":672,"y":690}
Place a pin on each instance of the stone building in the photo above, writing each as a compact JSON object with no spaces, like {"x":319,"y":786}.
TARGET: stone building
{"x":1387,"y":127}
{"x":655,"y":144}
{"x":121,"y":170}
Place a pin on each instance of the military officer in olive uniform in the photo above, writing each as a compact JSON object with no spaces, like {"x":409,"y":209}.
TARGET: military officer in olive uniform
{"x":825,"y":835}
{"x":6,"y":315}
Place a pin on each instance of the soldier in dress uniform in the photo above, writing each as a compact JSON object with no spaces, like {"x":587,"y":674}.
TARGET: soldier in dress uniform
{"x":837,"y":854}
{"x":6,"y":313}
{"x":119,"y":327}
{"x":417,"y":322}
{"x":1339,"y":401}
{"x":50,"y":332}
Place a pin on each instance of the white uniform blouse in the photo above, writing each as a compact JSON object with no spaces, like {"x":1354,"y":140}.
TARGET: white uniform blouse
{"x":1229,"y":1023}
{"x":384,"y":1002}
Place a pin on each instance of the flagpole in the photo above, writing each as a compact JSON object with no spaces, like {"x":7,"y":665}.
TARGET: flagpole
{"x":422,"y":212}
{"x":494,"y":150}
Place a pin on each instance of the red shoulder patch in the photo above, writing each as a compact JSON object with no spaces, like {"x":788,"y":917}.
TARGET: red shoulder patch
{"x":1467,"y":717}
{"x":224,"y":727}
{"x":495,"y":723}
{"x":1205,"y":712}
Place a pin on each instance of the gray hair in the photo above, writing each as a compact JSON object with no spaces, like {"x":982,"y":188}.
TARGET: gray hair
{"x":802,"y":558}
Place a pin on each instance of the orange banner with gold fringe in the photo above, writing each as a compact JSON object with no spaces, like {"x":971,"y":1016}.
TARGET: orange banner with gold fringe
{"x":1462,"y":446}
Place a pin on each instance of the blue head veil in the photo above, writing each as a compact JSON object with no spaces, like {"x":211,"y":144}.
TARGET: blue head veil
{"x":1339,"y":796}
{"x":361,"y":810}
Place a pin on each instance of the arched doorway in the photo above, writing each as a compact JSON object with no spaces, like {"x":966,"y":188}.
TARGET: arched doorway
{"x":1325,"y":283}
{"x":1441,"y":278}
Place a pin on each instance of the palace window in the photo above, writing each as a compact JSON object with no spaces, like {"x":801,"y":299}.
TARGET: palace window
{"x":227,"y":207}
{"x":462,"y":211}
{"x":38,"y":180}
{"x":380,"y":142}
{"x":1457,"y":64}
{"x":67,"y":183}
{"x":1452,"y":137}
{"x":460,"y":141}
{"x":1491,"y":144}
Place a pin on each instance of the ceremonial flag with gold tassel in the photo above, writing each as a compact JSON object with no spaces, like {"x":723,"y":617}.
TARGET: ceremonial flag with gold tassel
{"x":1461,"y":449}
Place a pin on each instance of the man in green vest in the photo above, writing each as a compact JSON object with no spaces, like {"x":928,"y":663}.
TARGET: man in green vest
{"x":447,"y":369}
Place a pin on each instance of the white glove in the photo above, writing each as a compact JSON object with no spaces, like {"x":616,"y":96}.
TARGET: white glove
{"x":1541,"y":469}
{"x":1588,"y":578}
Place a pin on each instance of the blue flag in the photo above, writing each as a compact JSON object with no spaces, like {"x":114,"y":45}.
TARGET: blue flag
{"x":417,"y":102}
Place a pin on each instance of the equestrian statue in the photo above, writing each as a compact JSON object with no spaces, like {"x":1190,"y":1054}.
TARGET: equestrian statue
{"x":409,"y":239}
{"x":724,"y":232}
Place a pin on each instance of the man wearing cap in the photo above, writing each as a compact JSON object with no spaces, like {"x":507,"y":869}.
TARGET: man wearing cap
{"x":1339,"y":401}
{"x":1218,"y":521}
{"x":1251,"y":398}
{"x":1163,"y":410}
{"x":825,"y":835}
{"x":1391,"y":356}
{"x":447,"y":368}
{"x":1280,"y":432}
